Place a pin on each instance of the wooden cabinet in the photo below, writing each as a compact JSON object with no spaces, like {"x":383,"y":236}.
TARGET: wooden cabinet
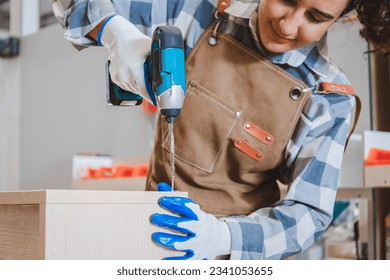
{"x":79,"y":224}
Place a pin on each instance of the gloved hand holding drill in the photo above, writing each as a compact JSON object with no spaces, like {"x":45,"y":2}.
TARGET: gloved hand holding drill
{"x":201,"y":235}
{"x":153,"y":68}
{"x":128,"y":49}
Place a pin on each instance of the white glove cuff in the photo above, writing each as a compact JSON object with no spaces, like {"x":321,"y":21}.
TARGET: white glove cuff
{"x":128,"y":48}
{"x":224,"y":246}
{"x":119,"y":24}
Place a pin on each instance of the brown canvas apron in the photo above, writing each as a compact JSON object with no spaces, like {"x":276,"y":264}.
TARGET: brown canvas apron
{"x":238,"y":116}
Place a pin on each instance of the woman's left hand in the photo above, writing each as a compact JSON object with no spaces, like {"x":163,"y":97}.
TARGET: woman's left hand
{"x":201,"y":235}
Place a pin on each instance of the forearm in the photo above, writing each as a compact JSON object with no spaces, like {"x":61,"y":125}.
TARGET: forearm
{"x":93,"y":34}
{"x":81,"y":19}
{"x":277,"y":232}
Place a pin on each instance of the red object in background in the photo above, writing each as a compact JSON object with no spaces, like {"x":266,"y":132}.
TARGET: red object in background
{"x":103,"y":172}
{"x":118,"y":171}
{"x":122,"y":171}
{"x":149,"y":108}
{"x":140,"y":171}
{"x":377,"y":157}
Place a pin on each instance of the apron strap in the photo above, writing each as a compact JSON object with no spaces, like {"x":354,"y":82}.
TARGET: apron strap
{"x":220,"y":15}
{"x":222,"y":6}
{"x":327,"y":87}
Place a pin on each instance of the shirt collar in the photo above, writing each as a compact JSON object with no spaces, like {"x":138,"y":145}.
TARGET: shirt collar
{"x":242,"y":9}
{"x":314,"y":56}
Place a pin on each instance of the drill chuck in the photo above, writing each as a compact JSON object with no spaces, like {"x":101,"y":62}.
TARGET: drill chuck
{"x":170,"y":102}
{"x":170,"y":118}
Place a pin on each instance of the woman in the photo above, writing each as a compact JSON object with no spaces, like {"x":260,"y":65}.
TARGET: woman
{"x":264,"y":103}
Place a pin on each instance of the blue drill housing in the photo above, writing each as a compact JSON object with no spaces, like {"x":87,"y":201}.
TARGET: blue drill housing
{"x":172,"y":60}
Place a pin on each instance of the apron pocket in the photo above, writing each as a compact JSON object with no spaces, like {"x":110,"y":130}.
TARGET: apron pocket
{"x":202,"y":128}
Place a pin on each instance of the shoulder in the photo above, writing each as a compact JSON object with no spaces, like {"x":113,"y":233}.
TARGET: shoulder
{"x":322,"y":69}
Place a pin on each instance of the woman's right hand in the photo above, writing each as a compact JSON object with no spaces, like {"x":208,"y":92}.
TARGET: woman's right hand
{"x":128,"y":49}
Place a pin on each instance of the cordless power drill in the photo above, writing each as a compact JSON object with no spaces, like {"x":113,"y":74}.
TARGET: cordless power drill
{"x":165,"y":75}
{"x":165,"y":79}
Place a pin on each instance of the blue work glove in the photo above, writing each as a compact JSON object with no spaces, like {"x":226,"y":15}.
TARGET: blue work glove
{"x":202,"y":236}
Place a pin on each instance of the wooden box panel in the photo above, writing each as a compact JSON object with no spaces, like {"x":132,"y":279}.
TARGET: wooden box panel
{"x":78,"y":224}
{"x":19,"y":232}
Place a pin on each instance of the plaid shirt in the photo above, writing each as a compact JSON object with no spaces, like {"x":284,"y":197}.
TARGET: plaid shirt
{"x":314,"y":153}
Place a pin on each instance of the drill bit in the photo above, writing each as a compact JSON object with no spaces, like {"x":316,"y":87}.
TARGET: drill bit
{"x":172,"y":154}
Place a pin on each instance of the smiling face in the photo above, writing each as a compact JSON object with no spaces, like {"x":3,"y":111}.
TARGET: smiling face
{"x":289,"y":24}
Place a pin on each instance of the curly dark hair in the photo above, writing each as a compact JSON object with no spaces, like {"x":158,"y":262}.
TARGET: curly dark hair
{"x":374,"y":15}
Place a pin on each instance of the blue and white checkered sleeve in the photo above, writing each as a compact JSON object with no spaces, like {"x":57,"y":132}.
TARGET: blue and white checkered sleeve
{"x":294,"y":223}
{"x":78,"y":18}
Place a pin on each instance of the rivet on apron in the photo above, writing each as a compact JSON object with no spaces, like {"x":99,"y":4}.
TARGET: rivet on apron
{"x":238,"y":113}
{"x":258,"y":155}
{"x":193,"y":84}
{"x":268,"y":139}
{"x":248,"y":125}
{"x":296,"y":93}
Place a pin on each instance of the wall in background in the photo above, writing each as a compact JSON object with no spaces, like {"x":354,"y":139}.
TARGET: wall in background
{"x":63,"y":112}
{"x":9,"y":123}
{"x":348,"y":50}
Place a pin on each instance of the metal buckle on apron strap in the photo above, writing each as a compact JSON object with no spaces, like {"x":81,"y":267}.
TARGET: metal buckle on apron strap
{"x":220,"y":16}
{"x":296,"y":92}
{"x":213,"y":38}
